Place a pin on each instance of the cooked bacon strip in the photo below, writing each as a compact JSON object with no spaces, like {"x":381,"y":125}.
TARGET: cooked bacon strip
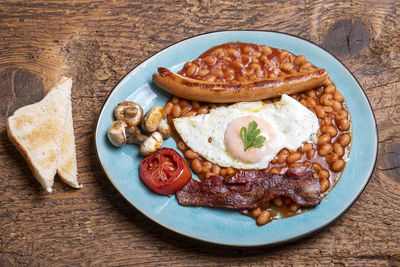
{"x":249,"y":189}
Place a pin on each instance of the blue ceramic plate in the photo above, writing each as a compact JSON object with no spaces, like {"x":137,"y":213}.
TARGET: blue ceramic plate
{"x":222,"y":226}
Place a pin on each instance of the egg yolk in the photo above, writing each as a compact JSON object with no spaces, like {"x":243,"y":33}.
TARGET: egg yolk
{"x":235,"y":144}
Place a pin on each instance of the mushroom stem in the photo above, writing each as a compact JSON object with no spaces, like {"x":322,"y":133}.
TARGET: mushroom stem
{"x":151,"y":144}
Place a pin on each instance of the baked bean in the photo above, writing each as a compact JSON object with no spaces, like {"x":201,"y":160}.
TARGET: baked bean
{"x":218,"y":72}
{"x":344,"y":140}
{"x":338,"y":149}
{"x":286,"y":66}
{"x":303,"y":102}
{"x":255,"y":54}
{"x":168,"y":108}
{"x":338,"y":165}
{"x":324,"y":149}
{"x":330,"y":89}
{"x":191,"y":70}
{"x":293,"y":207}
{"x":328,"y":109}
{"x":299,"y":60}
{"x":190,"y":113}
{"x":255,"y":212}
{"x":303,"y":96}
{"x":196,"y":165}
{"x":184,"y":102}
{"x":241,"y":78}
{"x":338,"y":96}
{"x":331,"y":130}
{"x":316,"y":167}
{"x":331,"y":158}
{"x":315,"y":175}
{"x":277,"y":201}
{"x":210,"y":60}
{"x":264,"y":59}
{"x":324,"y":185}
{"x":266,"y":50}
{"x":283,"y":55}
{"x":328,"y":82}
{"x":336,"y":105}
{"x":176,"y":111}
{"x":287,"y":201}
{"x":274,"y":170}
{"x":188,"y":64}
{"x":291,"y":165}
{"x":247,"y":49}
{"x":320,"y":90}
{"x":230,"y":170}
{"x":282,"y":155}
{"x":190,"y":154}
{"x":210,"y":78}
{"x":310,"y":153}
{"x":326,"y":99}
{"x":195,"y":105}
{"x":340,"y":115}
{"x":344,"y":124}
{"x":203,"y":72}
{"x":182,"y":146}
{"x":208,"y":175}
{"x":326,"y":121}
{"x":311,"y":93}
{"x":215,"y":169}
{"x":306,"y":66}
{"x":324,"y":139}
{"x":238,"y":64}
{"x":263,"y":218}
{"x":253,"y":77}
{"x":233,"y":52}
{"x":320,"y":111}
{"x":175,"y":100}
{"x":229,"y":77}
{"x":295,"y":156}
{"x":222,"y":172}
{"x":311,"y":102}
{"x":219,"y":53}
{"x":185,"y":109}
{"x":203,"y":110}
{"x":206,"y":166}
{"x":306,"y":147}
{"x":323,"y":174}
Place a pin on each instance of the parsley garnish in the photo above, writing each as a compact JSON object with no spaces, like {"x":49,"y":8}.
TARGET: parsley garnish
{"x":251,"y":137}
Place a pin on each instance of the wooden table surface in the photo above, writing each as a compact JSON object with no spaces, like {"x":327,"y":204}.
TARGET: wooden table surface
{"x":97,"y":43}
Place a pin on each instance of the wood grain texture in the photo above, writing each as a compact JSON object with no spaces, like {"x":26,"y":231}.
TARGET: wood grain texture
{"x":97,"y":43}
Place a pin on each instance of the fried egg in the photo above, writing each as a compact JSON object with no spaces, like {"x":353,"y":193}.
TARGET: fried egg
{"x":216,"y":135}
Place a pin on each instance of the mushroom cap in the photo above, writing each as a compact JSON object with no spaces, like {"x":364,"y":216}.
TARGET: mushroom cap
{"x":153,"y":118}
{"x":116,"y":133}
{"x":130,"y":112}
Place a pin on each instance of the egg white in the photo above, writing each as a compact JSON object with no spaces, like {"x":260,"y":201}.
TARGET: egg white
{"x":293,"y":124}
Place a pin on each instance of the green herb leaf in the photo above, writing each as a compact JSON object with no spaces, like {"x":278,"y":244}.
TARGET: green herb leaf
{"x":251,"y":137}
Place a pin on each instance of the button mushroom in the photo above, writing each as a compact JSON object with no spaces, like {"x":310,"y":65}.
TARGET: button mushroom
{"x":151,"y":144}
{"x":130,"y":112}
{"x":116,"y":133}
{"x":153,"y":118}
{"x":164,"y":129}
{"x":154,"y":121}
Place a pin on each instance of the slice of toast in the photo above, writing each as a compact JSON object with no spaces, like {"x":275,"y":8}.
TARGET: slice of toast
{"x":37,"y":131}
{"x":68,"y":170}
